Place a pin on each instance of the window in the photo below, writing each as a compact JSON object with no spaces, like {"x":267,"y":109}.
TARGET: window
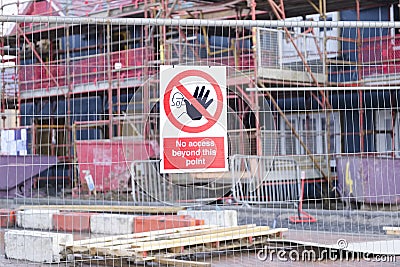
{"x":119,"y":40}
{"x":313,"y":129}
{"x":289,"y":142}
{"x":383,"y":131}
{"x":397,"y":135}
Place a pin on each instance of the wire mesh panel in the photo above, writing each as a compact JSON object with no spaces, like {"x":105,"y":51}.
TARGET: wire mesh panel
{"x":265,"y":180}
{"x":146,"y":176}
{"x":311,"y":119}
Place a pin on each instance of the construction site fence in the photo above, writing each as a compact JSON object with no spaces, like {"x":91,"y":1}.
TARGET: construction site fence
{"x":312,"y":121}
{"x":199,"y":22}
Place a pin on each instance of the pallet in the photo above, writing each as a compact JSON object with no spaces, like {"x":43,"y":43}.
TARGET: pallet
{"x":391,"y":230}
{"x":165,"y":246}
{"x":86,"y":245}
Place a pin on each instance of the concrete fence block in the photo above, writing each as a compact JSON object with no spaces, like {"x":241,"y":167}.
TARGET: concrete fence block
{"x":72,"y":221}
{"x":7,"y":218}
{"x":161,"y":222}
{"x":113,"y":224}
{"x":35,"y":246}
{"x":225,"y":218}
{"x":36,"y":219}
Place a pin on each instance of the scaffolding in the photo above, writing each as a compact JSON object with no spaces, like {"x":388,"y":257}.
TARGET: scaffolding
{"x":90,"y":81}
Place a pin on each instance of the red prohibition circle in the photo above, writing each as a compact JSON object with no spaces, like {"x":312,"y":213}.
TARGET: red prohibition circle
{"x":174,"y":82}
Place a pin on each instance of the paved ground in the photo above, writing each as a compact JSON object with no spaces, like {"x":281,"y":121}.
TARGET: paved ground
{"x":251,"y":258}
{"x":353,"y":226}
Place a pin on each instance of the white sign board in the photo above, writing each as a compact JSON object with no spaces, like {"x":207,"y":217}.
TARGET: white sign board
{"x":193,"y":119}
{"x":14,"y":142}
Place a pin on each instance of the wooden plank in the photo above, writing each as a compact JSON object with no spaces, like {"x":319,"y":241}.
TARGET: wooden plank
{"x":108,"y":208}
{"x":136,"y":245}
{"x":206,"y":231}
{"x":392,"y":230}
{"x":126,"y":247}
{"x":202,"y":239}
{"x":182,"y":263}
{"x":107,"y":252}
{"x":129,"y":243}
{"x":237,"y":244}
{"x":104,"y":239}
{"x":241,"y":243}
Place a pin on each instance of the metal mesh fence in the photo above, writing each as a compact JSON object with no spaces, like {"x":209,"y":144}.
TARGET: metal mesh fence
{"x":92,"y":174}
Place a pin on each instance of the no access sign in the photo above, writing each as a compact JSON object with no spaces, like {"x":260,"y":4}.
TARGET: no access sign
{"x":193,"y":119}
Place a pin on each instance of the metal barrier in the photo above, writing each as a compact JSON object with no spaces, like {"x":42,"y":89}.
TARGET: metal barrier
{"x":255,"y":180}
{"x":265,"y":180}
{"x":148,"y":184}
{"x":183,"y":189}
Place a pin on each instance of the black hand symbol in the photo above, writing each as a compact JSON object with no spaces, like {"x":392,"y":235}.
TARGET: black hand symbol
{"x":193,"y":113}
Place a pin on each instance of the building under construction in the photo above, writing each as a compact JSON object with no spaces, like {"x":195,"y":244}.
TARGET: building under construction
{"x":88,"y":94}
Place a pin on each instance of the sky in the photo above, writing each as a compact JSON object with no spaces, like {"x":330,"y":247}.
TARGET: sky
{"x":8,"y":7}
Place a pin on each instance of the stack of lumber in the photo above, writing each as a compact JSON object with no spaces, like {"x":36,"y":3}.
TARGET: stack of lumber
{"x":107,"y":208}
{"x":171,"y":244}
{"x":392,"y":230}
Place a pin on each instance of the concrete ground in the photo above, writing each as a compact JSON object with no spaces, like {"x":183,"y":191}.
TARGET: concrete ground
{"x":331,"y":225}
{"x":245,"y":257}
